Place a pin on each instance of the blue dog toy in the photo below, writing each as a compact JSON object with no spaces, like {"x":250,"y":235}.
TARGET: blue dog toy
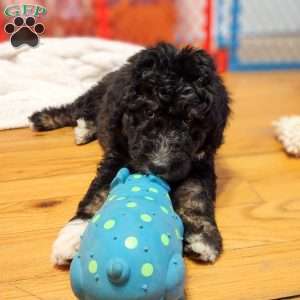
{"x":132,"y":248}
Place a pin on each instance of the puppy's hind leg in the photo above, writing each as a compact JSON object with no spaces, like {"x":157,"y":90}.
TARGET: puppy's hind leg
{"x":52,"y":118}
{"x":84,"y":107}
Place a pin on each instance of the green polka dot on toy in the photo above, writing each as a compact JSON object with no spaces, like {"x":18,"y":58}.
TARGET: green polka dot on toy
{"x":93,"y":266}
{"x":163,"y":209}
{"x":146,"y":218}
{"x":121,"y":198}
{"x":135,"y":189}
{"x":147,"y":270}
{"x":109,"y":224}
{"x":153,"y":190}
{"x":96,"y":218}
{"x":149,"y":198}
{"x":165,"y":239}
{"x":131,"y":242}
{"x":137,"y":176}
{"x":168,"y":196}
{"x":131,"y":204}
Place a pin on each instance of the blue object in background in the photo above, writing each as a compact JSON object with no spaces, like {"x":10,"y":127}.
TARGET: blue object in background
{"x":259,"y":35}
{"x":132,"y":248}
{"x":236,"y":63}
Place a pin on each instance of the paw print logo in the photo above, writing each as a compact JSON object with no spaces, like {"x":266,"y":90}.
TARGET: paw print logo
{"x":24,"y":31}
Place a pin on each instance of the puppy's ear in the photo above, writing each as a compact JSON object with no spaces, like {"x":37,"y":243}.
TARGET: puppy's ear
{"x":199,"y":70}
{"x":153,"y":59}
{"x":144,"y":63}
{"x":143,"y":60}
{"x":195,"y":65}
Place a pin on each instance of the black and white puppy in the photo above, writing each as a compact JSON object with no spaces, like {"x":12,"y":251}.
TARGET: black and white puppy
{"x":164,"y":112}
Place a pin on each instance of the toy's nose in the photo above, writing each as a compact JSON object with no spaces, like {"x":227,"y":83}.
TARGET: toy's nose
{"x":118,"y":271}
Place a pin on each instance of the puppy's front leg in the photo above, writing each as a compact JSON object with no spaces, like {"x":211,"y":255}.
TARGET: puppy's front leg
{"x":194,"y":201}
{"x":68,"y":240}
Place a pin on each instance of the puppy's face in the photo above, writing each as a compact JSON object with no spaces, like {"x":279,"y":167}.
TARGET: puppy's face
{"x":165,"y":116}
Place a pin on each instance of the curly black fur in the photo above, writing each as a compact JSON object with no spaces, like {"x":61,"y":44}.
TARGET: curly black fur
{"x":163,"y":112}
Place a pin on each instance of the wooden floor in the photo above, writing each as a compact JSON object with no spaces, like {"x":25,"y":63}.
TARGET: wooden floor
{"x":43,"y":176}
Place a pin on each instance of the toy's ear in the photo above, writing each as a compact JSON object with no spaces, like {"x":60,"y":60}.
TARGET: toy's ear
{"x":159,"y":181}
{"x":121,"y":177}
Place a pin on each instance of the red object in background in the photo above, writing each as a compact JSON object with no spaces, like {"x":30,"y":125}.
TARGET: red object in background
{"x":222,"y":58}
{"x":101,"y":14}
{"x":3,"y":35}
{"x":208,"y":26}
{"x":142,"y":22}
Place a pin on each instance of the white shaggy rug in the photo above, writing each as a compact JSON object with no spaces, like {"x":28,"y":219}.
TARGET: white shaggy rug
{"x":54,"y":73}
{"x":287,"y":130}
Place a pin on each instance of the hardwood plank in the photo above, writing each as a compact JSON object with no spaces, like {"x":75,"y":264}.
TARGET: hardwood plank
{"x":48,"y":161}
{"x":262,"y":272}
{"x":258,"y":100}
{"x":24,"y":139}
{"x":28,"y":205}
{"x":246,"y":219}
{"x":10,"y":292}
{"x":27,"y":257}
{"x":50,"y":287}
{"x":256,"y":167}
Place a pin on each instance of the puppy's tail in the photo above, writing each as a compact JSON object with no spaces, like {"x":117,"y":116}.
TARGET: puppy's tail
{"x":53,"y":118}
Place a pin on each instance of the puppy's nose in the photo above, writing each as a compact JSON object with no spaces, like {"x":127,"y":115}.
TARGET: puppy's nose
{"x":158,"y":169}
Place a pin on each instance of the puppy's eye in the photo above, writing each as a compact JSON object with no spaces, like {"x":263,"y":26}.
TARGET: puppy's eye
{"x":163,"y":94}
{"x":186,"y":91}
{"x":186,"y":121}
{"x":150,"y":114}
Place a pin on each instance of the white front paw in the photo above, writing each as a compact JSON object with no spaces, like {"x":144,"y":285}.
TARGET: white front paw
{"x":68,"y":242}
{"x":199,"y":248}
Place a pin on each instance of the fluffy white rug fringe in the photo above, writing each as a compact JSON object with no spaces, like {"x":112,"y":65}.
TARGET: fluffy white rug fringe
{"x":287,"y":130}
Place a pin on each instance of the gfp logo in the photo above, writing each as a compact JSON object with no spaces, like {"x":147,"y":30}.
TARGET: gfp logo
{"x":24,"y":29}
{"x":25,"y":10}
